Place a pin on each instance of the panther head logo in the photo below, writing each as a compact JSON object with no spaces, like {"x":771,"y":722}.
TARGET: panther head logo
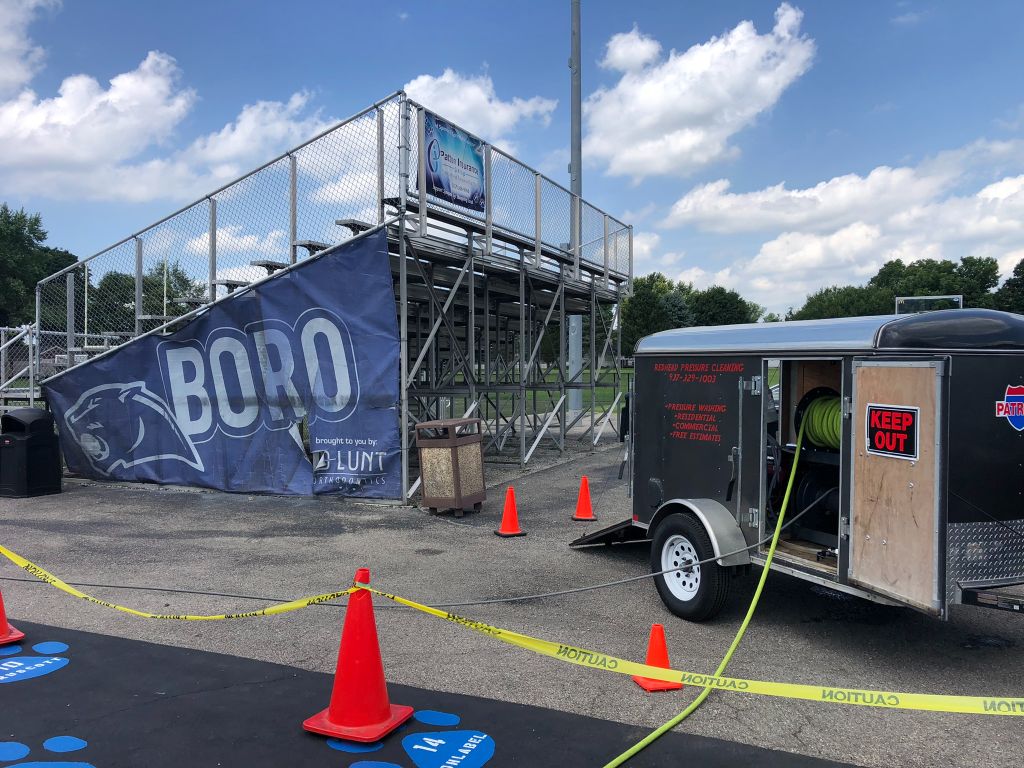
{"x":122,"y":425}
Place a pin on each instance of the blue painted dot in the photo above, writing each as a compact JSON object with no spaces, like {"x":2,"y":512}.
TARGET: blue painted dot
{"x":352,"y":747}
{"x":64,"y":744}
{"x":10,"y":650}
{"x":373,"y":764}
{"x":12,"y":750}
{"x":50,"y":647}
{"x":430,"y":717}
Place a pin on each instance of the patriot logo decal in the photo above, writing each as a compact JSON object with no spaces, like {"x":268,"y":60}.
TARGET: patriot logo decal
{"x":1012,"y":407}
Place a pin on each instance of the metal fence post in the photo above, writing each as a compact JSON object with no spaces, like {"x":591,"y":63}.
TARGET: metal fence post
{"x":85,"y":301}
{"x":421,"y":174}
{"x":630,"y":260}
{"x":537,"y":234}
{"x":31,"y":371}
{"x":293,"y":207}
{"x":403,"y":154}
{"x":605,"y":249}
{"x":39,"y":300}
{"x":3,"y":354}
{"x":380,"y":165}
{"x":138,"y":286}
{"x":70,"y":307}
{"x":488,"y":211}
{"x":212,"y":242}
{"x":403,"y":360}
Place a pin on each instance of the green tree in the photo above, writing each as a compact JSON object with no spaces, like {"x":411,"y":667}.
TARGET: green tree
{"x":112,"y":300}
{"x":978,"y":278}
{"x":844,"y":301}
{"x":1010,"y":298}
{"x":676,"y":304}
{"x":974,"y":277}
{"x":719,"y":306}
{"x":645,"y":312}
{"x":24,"y":260}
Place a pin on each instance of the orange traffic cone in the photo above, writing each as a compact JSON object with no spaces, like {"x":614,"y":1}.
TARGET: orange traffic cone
{"x":583,"y":509}
{"x":8,"y":634}
{"x":657,"y":656}
{"x":510,"y":517}
{"x":360,"y":709}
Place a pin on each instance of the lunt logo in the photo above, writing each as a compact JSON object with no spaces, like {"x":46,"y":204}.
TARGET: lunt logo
{"x":269,"y":375}
{"x":1012,"y":407}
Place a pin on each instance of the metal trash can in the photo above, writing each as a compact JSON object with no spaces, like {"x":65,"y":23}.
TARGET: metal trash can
{"x":30,"y":461}
{"x":451,"y":464}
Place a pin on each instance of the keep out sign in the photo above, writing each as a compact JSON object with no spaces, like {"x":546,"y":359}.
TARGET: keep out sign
{"x":892,"y":430}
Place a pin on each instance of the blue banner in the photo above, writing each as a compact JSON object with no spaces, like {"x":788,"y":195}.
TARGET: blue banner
{"x":455,"y":164}
{"x":290,"y":387}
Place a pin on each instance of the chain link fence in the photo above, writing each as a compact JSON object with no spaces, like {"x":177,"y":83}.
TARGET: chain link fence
{"x":344,"y":181}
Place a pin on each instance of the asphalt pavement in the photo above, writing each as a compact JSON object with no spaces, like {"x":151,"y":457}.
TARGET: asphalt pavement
{"x":278,"y":547}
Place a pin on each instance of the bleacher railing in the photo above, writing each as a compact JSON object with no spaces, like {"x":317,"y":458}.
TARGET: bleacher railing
{"x":308,"y":199}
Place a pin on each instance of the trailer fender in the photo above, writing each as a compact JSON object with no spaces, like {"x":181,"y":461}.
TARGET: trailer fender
{"x":722,"y":528}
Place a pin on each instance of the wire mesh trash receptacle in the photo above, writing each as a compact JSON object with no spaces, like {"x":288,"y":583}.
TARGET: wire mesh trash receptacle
{"x":30,"y":463}
{"x":451,"y":464}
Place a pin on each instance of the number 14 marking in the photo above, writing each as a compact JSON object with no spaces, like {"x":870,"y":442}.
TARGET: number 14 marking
{"x":433,"y":744}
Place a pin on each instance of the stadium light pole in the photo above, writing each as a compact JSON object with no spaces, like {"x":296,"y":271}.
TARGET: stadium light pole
{"x":575,"y":399}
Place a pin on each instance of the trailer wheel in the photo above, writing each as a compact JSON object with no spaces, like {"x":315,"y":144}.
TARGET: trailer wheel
{"x":696,"y":593}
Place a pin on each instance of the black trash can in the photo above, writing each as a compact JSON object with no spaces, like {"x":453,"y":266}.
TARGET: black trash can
{"x":30,"y":463}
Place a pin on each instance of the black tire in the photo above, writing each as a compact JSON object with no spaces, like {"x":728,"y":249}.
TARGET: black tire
{"x":696,"y":594}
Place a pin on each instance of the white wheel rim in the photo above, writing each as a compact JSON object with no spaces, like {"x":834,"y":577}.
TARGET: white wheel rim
{"x":676,"y":552}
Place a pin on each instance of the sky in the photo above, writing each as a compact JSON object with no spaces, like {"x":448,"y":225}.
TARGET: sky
{"x":773,"y":148}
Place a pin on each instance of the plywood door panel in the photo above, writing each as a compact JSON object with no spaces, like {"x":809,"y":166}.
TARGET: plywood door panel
{"x":893,"y":547}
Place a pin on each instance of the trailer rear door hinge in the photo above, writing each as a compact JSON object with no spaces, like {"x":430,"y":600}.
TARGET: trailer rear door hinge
{"x":847,"y":408}
{"x":844,"y":527}
{"x":753,"y":386}
{"x":753,"y":517}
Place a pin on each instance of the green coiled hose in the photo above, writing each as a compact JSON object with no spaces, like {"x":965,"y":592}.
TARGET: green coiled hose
{"x":823,"y":422}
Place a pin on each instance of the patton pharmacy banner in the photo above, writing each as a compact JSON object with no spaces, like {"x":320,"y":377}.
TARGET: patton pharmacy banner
{"x":290,"y":388}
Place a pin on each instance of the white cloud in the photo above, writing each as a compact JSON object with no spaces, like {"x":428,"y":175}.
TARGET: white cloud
{"x":842,"y":230}
{"x":19,"y":57}
{"x":840,"y":200}
{"x":472,"y":103}
{"x":86,"y":124}
{"x":234,"y":240}
{"x":85,"y":143}
{"x":630,"y":51}
{"x":116,"y":141}
{"x":675,"y":116}
{"x":645,"y":246}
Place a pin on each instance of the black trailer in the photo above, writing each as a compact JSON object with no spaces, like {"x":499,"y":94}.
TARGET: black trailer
{"x":913,"y":474}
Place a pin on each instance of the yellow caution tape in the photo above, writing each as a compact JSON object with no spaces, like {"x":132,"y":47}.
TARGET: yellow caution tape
{"x":270,"y":610}
{"x":975,"y":705}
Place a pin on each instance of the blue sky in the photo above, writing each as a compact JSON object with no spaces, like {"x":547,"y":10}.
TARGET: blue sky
{"x":770,"y":147}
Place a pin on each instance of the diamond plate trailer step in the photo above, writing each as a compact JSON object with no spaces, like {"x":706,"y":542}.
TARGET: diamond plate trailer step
{"x":619,"y":533}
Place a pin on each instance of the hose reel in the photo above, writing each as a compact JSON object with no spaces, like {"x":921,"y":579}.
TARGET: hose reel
{"x":823,"y":410}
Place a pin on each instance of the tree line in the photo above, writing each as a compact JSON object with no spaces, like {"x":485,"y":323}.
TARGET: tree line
{"x":658,"y":303}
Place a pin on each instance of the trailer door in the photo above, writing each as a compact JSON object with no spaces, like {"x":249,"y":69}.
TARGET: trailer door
{"x":896,"y":520}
